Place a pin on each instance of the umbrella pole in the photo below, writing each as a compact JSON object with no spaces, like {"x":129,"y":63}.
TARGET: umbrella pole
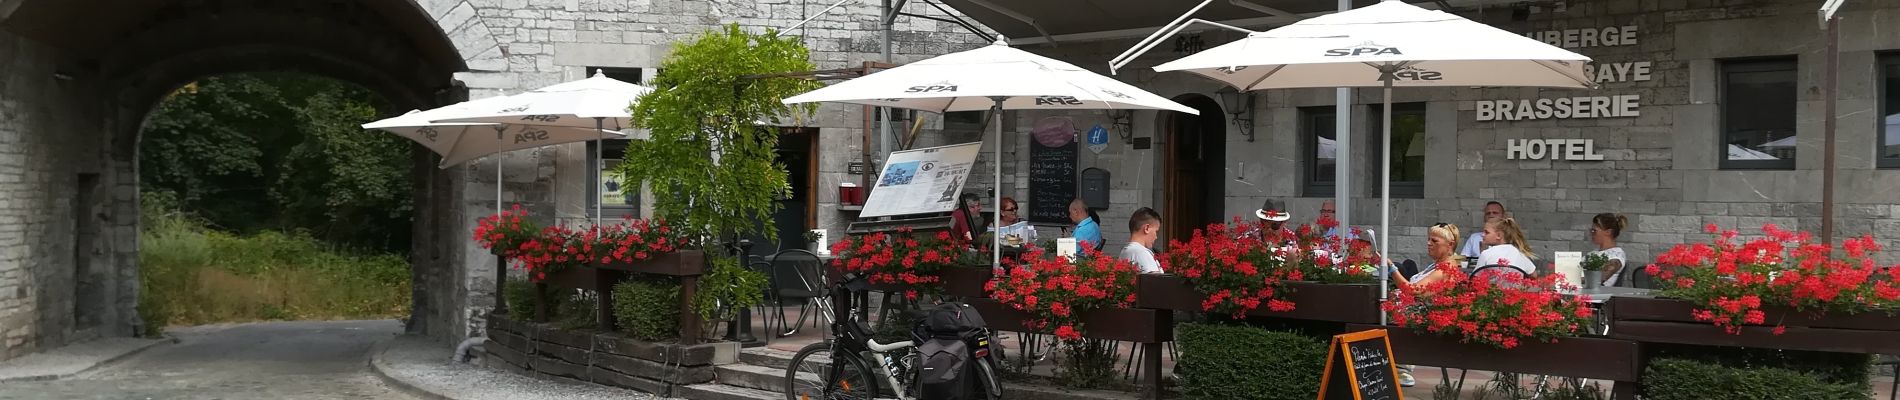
{"x":996,"y":239}
{"x":1385,"y":196}
{"x":600,"y":141}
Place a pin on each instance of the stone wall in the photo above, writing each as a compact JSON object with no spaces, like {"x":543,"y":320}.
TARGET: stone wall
{"x":543,"y":42}
{"x":1659,"y":168}
{"x":59,"y":280}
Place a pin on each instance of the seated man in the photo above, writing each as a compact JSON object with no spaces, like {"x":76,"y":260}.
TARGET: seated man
{"x":1144,"y":227}
{"x":1087,"y":228}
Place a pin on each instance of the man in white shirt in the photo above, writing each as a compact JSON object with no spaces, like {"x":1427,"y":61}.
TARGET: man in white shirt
{"x":1144,"y":227}
{"x":1474,"y":246}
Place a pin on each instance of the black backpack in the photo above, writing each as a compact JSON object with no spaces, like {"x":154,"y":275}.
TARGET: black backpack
{"x":946,"y":372}
{"x":951,"y":321}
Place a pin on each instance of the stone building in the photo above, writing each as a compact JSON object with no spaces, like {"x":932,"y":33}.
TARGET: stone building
{"x":78,"y":76}
{"x":1684,"y":82}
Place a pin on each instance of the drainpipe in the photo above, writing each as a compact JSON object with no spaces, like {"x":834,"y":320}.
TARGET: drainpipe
{"x":462,"y":350}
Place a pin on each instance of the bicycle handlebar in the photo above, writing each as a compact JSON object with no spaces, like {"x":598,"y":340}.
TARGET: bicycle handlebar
{"x":881,"y":348}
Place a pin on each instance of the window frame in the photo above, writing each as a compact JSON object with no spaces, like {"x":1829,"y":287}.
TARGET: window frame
{"x":594,"y":164}
{"x":1309,"y":118}
{"x":1882,"y":62}
{"x":1752,"y":64}
{"x":620,"y":73}
{"x":1376,"y":116}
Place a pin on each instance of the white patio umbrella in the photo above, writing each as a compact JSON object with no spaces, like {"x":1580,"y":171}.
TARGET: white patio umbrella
{"x":599,"y":102}
{"x":1389,"y":44}
{"x":461,"y":142}
{"x":995,"y":77}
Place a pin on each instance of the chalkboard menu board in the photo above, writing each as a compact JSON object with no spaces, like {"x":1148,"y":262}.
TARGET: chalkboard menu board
{"x":1052,"y":172}
{"x":1359,"y":366}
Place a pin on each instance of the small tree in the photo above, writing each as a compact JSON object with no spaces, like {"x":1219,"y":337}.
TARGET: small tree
{"x":719,"y":170}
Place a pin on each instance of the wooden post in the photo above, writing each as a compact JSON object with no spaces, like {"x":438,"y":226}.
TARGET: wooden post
{"x":604,"y":281}
{"x":689,"y":317}
{"x":1151,"y":360}
{"x":540,"y":302}
{"x":501,"y":284}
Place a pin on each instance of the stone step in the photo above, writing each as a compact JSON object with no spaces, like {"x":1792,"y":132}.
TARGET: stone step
{"x":714,"y":391}
{"x":767,"y":357}
{"x":755,"y":377}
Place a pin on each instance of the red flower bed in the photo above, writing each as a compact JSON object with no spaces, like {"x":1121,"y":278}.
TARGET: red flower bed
{"x":904,"y":258}
{"x":1502,"y":310}
{"x":556,"y":248}
{"x":1244,"y":266}
{"x":1055,"y":291}
{"x":1729,"y":282}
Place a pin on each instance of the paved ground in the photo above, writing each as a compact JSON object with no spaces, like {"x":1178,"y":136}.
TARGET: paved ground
{"x":73,"y":359}
{"x":276,"y":360}
{"x":424,"y":366}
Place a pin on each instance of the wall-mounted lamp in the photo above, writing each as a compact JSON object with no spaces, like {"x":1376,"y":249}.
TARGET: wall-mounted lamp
{"x":1240,"y":105}
{"x":1124,"y":121}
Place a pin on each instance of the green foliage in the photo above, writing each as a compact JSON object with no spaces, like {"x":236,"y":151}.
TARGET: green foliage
{"x":191,"y":275}
{"x":1594,"y":261}
{"x":1841,"y":368}
{"x":727,"y":286}
{"x":1088,"y":364}
{"x":724,"y":169}
{"x":519,"y":293}
{"x":1243,"y":362}
{"x":274,"y":151}
{"x":1674,"y":378}
{"x":648,"y":309}
{"x":567,"y":308}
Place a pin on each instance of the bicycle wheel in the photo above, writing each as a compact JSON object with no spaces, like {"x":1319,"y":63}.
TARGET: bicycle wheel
{"x":991,"y":385}
{"x":816,"y":373}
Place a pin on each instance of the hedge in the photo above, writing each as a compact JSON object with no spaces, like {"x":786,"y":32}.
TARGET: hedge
{"x":1240,"y":362}
{"x":1682,"y":379}
{"x":648,"y":309}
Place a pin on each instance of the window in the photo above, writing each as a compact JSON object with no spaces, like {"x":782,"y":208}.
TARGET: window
{"x":617,"y":195}
{"x":628,"y":75}
{"x":963,"y":119}
{"x":1758,"y":114}
{"x":1408,"y":147}
{"x":1321,"y":149}
{"x":1889,"y":151}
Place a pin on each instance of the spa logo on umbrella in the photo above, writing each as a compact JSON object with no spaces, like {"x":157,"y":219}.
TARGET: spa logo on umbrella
{"x":1365,"y":49}
{"x":1231,"y":70}
{"x":1057,"y":101}
{"x":1416,"y":74}
{"x":939,"y":87}
{"x":535,"y":135}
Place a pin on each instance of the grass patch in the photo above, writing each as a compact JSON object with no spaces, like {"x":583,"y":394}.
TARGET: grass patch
{"x":191,"y":275}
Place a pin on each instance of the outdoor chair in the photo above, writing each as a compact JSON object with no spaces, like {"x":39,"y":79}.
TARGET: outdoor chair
{"x":1408,"y":268}
{"x":796,"y":274}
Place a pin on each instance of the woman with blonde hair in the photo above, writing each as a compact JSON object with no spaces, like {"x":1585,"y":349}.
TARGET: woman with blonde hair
{"x":1508,"y":247}
{"x":1441,"y":245}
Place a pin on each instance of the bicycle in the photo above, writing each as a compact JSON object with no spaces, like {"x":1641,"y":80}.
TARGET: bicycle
{"x":838,"y":368}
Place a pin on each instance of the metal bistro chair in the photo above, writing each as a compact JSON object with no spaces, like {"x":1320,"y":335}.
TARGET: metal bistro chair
{"x":797,"y":274}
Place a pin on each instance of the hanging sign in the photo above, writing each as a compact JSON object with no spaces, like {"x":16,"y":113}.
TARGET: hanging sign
{"x":921,"y":181}
{"x":1098,"y":139}
{"x":1359,"y":366}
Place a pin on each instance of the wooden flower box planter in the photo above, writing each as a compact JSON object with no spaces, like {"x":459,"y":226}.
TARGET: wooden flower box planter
{"x":688,"y":265}
{"x":1662,"y":320}
{"x":957,"y":281}
{"x":1580,"y":357}
{"x":1351,"y":303}
{"x":603,"y":358}
{"x":1149,"y":326}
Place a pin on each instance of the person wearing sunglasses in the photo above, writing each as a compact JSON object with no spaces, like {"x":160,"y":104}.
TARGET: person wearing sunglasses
{"x":1016,"y":230}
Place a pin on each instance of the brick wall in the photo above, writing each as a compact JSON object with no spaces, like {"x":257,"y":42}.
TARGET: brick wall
{"x":49,"y":134}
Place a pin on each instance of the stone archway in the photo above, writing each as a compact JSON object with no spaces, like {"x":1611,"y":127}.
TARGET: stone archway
{"x":93,"y":69}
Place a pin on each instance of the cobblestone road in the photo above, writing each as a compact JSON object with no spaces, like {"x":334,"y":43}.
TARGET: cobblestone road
{"x":274,"y":360}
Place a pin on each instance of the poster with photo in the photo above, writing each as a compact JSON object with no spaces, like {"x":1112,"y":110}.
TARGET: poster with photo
{"x":922,"y":181}
{"x":616,"y":189}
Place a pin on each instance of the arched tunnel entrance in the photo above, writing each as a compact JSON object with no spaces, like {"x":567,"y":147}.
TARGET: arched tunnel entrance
{"x":79,"y":77}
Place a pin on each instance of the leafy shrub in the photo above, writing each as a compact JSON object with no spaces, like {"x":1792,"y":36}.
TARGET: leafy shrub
{"x":1839,"y":368}
{"x":648,"y":309}
{"x":727,"y":286}
{"x":1674,"y":378}
{"x":520,"y":297}
{"x":1241,"y":362}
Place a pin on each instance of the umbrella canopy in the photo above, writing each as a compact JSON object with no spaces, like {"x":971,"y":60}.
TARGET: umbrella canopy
{"x":1389,"y":44}
{"x":994,"y":77}
{"x":460,"y":142}
{"x":1418,"y":47}
{"x":595,"y":102}
{"x":969,"y":81}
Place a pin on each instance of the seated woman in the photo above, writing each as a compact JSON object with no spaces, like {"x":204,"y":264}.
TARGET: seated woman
{"x":1604,"y":228}
{"x":1440,"y":245}
{"x":1507,"y":246}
